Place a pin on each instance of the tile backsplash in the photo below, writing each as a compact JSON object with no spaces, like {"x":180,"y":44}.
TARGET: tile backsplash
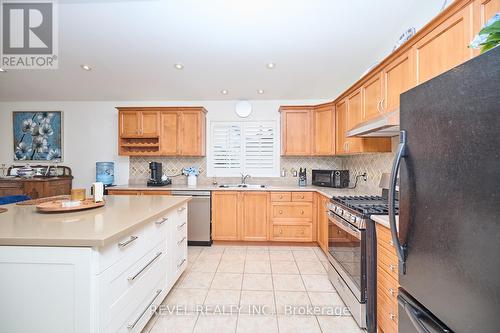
{"x":373,"y":164}
{"x":172,"y":166}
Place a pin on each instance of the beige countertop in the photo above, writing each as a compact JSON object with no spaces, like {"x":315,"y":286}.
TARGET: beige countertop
{"x":23,"y":225}
{"x":326,"y":191}
{"x":384,"y":220}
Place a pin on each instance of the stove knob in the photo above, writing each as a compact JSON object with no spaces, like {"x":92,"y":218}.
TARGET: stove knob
{"x":353,"y":219}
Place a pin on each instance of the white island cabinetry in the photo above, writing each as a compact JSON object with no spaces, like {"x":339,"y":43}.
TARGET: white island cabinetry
{"x":109,"y":288}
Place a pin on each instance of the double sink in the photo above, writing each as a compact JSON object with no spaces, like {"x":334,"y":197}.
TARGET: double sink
{"x":242,"y":186}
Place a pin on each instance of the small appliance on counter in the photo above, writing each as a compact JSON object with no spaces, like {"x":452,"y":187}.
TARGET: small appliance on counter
{"x":302,"y":177}
{"x":331,"y":178}
{"x":156,"y":178}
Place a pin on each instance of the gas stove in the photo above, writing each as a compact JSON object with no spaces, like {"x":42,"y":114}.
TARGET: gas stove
{"x":357,"y":209}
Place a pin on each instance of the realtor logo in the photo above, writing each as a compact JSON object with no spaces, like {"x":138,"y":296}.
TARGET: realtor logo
{"x":29,"y":35}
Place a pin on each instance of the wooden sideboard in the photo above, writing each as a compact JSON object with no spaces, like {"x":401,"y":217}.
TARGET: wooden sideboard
{"x":36,"y":187}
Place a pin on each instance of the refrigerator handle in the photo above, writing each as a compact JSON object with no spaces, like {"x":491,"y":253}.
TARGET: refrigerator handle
{"x":421,"y":319}
{"x":400,"y":154}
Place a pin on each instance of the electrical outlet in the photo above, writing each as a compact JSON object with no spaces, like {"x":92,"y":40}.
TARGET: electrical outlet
{"x":365,"y":176}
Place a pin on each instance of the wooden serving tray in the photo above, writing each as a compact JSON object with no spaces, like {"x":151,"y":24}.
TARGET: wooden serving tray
{"x":3,"y":210}
{"x":55,"y":206}
{"x":42,"y":200}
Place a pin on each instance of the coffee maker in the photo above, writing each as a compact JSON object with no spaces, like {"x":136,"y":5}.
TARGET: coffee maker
{"x":156,"y":175}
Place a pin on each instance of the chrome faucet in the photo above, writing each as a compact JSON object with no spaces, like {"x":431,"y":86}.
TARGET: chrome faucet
{"x":244,"y":178}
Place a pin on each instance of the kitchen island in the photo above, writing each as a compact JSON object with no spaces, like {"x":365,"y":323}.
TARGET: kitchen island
{"x":99,"y":270}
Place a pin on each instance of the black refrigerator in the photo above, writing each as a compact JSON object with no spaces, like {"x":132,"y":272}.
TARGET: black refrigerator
{"x":449,"y":201}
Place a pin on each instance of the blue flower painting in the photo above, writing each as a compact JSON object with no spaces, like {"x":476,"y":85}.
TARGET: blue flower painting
{"x":37,"y":136}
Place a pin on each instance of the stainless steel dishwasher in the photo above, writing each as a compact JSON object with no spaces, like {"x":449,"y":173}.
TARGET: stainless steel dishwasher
{"x":199,"y":217}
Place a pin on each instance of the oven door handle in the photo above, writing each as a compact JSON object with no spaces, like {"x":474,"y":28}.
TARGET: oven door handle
{"x":344,"y":226}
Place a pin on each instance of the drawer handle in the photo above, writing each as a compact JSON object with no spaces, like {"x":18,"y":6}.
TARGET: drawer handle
{"x":181,"y":263}
{"x":133,"y":277}
{"x":129,"y":241}
{"x":302,"y":197}
{"x":181,"y":241}
{"x":180,"y":210}
{"x":163,"y":220}
{"x":391,"y":291}
{"x":180,"y":226}
{"x":281,"y":212}
{"x":157,"y":293}
{"x":392,"y":267}
{"x":302,"y":212}
{"x":392,"y":316}
{"x":281,"y":197}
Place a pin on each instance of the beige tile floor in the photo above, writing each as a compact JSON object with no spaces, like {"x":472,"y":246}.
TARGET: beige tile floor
{"x":251,"y":289}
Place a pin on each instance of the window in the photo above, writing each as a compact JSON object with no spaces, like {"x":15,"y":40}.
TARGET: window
{"x":243,"y":147}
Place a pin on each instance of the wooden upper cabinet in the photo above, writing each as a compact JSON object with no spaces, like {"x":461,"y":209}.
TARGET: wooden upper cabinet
{"x":397,"y":77}
{"x":149,"y":123}
{"x":341,"y":123}
{"x":168,"y":133}
{"x":323,"y":119}
{"x":483,"y":11}
{"x":354,"y":109}
{"x":138,"y":123}
{"x":372,"y":97}
{"x":162,"y":131}
{"x":444,"y":47}
{"x":295,"y":131}
{"x":192,"y":127}
{"x":130,"y":123}
{"x":225,"y":215}
{"x":254,"y":226}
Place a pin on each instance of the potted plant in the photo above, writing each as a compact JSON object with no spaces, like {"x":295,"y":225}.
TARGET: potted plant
{"x":489,"y":36}
{"x":192,"y":174}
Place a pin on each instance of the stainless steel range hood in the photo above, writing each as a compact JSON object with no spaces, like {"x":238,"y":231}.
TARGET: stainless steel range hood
{"x":383,"y":126}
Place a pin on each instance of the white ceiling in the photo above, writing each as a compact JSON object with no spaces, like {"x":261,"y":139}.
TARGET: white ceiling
{"x":319,"y":46}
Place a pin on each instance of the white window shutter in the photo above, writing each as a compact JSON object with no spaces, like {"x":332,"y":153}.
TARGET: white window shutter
{"x":226,"y":149}
{"x":243,"y":147}
{"x":260,"y":149}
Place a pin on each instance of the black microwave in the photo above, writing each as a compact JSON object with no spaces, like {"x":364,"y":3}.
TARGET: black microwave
{"x":331,"y":178}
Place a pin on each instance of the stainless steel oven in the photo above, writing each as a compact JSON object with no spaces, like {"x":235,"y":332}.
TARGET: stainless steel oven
{"x":347,"y":272}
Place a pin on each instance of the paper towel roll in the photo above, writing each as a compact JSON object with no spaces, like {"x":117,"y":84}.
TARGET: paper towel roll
{"x":98,"y":191}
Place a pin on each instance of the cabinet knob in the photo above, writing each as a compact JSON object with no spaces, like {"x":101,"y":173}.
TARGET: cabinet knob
{"x":281,"y":212}
{"x":302,"y":212}
{"x":392,"y":267}
{"x":281,"y":231}
{"x":281,"y":197}
{"x":392,"y":316}
{"x":302,"y":197}
{"x":391,"y":291}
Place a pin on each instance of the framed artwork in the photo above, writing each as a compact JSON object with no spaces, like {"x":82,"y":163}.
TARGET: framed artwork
{"x":38,"y":136}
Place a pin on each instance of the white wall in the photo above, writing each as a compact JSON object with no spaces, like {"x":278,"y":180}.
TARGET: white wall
{"x":91,"y":129}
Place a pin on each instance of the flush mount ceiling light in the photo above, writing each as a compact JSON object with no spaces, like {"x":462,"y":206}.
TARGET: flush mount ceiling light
{"x":243,"y":109}
{"x":224,"y":92}
{"x":179,"y":66}
{"x":260,"y":91}
{"x":86,"y":68}
{"x":270,"y":65}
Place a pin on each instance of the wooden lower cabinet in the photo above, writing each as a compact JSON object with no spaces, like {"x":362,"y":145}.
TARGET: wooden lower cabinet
{"x":387,"y":282}
{"x":263,"y":216}
{"x":225,"y":215}
{"x":254,"y":226}
{"x":139,"y":192}
{"x":292,"y":217}
{"x":240,"y":216}
{"x":36,"y":188}
{"x":322,"y":222}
